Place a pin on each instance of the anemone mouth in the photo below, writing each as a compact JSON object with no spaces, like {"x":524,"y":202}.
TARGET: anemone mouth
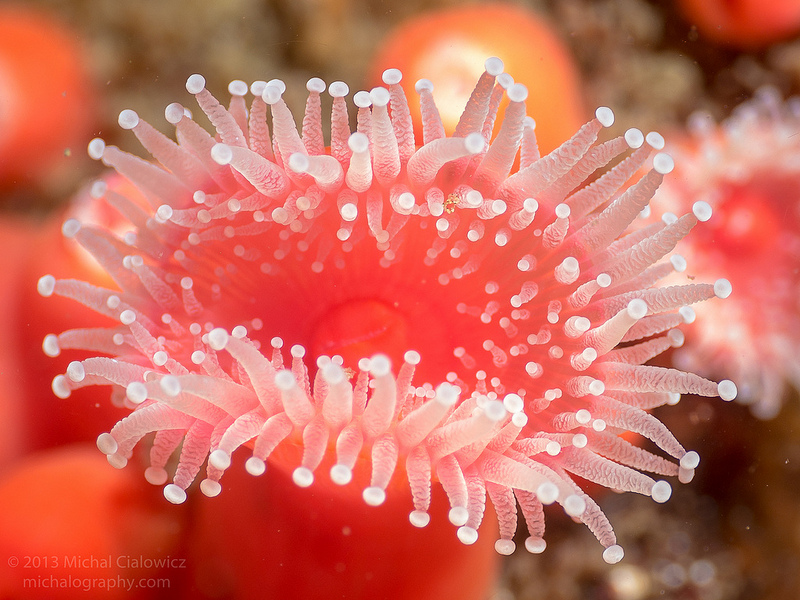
{"x":359,"y":329}
{"x":753,"y":220}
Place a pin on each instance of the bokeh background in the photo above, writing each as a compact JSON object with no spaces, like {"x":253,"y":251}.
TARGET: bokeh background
{"x":734,"y":532}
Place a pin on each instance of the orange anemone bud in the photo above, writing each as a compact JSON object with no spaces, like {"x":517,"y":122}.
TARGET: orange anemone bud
{"x":745,"y":24}
{"x":46,"y":97}
{"x":448,"y":49}
{"x":71,"y":527}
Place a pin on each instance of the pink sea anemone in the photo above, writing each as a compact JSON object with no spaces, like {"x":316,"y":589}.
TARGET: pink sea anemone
{"x":747,"y":168}
{"x":389,"y":312}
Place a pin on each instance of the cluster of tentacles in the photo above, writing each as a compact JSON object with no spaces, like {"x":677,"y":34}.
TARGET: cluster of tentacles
{"x":469,"y":321}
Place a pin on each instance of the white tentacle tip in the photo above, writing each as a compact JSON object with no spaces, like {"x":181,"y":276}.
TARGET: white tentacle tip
{"x":505,"y":547}
{"x":257,"y":87}
{"x":303,"y":477}
{"x":547,"y":493}
{"x":722,"y":288}
{"x":688,"y":314}
{"x":597,"y":387}
{"x":419,"y":518}
{"x":474,"y":143}
{"x":685,"y":475}
{"x":221,"y":154}
{"x":298,"y":162}
{"x":272,"y":93}
{"x":605,"y":115}
{"x":107,"y":444}
{"x":676,"y":338}
{"x":493,"y":66}
{"x":170,"y":385}
{"x":46,"y":285}
{"x":285,"y":380}
{"x":136,"y":392}
{"x":218,"y":338}
{"x":603,"y":280}
{"x":637,"y":308}
{"x":702,"y":211}
{"x":517,"y":93}
{"x":358,"y":142}
{"x":174,"y":112}
{"x":727,"y":390}
{"x":195,"y":84}
{"x":96,"y":148}
{"x":341,"y":474}
{"x":156,"y":475}
{"x":219,"y":459}
{"x":535,"y":545}
{"x":574,"y":505}
{"x":392,"y":76}
{"x":128,"y":119}
{"x":379,"y":96}
{"x":505,"y":81}
{"x":98,"y":189}
{"x":237,"y":87}
{"x":374,"y":496}
{"x":210,"y":488}
{"x":678,"y":263}
{"x":467,"y":535}
{"x":412,"y":357}
{"x":663,"y":163}
{"x":634,"y":137}
{"x":423,"y":85}
{"x":333,"y":373}
{"x":315,"y":85}
{"x":447,"y":394}
{"x":495,"y":411}
{"x":655,"y":140}
{"x":278,"y":84}
{"x":362,"y":99}
{"x":75,"y":371}
{"x":661,"y":491}
{"x":338,"y":89}
{"x":174,"y":494}
{"x":380,"y":365}
{"x":519,"y":419}
{"x":117,"y":461}
{"x":458,"y":516}
{"x":613,"y":554}
{"x":690,"y":460}
{"x":255,"y":466}
{"x":164,"y":213}
{"x":513,"y":403}
{"x":50,"y":345}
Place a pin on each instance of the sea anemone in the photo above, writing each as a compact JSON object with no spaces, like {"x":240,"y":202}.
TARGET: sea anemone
{"x":448,"y":47}
{"x":743,"y":24}
{"x":748,"y":168}
{"x":446,"y":321}
{"x":47,"y":103}
{"x":90,"y":539}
